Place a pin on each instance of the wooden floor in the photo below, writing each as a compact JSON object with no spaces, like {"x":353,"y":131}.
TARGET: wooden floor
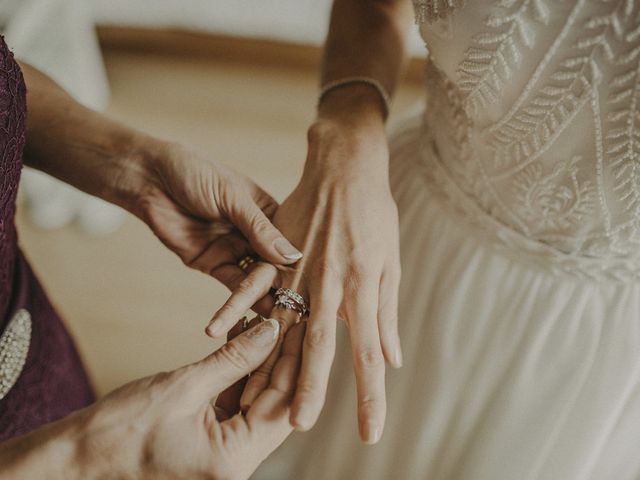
{"x":132,"y":306}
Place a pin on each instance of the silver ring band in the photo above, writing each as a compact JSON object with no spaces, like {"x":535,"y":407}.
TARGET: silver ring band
{"x":290,"y":300}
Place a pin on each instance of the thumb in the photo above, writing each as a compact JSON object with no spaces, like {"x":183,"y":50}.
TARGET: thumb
{"x":238,"y":358}
{"x":262,"y":235}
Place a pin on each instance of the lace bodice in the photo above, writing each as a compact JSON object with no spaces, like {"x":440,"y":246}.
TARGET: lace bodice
{"x":534,"y":111}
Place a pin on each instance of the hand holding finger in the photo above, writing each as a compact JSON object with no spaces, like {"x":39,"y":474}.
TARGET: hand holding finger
{"x":260,"y":378}
{"x":246,"y":293}
{"x":263,"y":236}
{"x":228,"y":402}
{"x":237,"y":358}
{"x":283,"y":378}
{"x":266,"y":423}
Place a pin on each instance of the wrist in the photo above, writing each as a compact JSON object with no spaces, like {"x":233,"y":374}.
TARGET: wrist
{"x":346,"y":149}
{"x":135,"y":171}
{"x":50,"y":452}
{"x":356,"y":104}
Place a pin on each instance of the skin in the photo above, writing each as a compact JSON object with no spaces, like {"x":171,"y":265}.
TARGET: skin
{"x":343,"y":218}
{"x":165,"y":427}
{"x":202,"y":210}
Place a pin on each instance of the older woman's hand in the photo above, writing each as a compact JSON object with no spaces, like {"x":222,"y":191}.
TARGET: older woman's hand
{"x":208,"y":214}
{"x":164,"y":426}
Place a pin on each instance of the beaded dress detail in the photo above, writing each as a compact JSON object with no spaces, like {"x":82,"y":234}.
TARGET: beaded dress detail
{"x":518,"y":192}
{"x":535,"y":115}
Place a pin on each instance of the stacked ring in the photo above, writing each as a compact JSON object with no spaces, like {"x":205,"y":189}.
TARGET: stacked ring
{"x":245,"y":262}
{"x":290,"y":300}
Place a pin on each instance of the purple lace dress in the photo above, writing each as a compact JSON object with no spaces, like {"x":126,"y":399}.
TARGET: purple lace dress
{"x":51,"y":381}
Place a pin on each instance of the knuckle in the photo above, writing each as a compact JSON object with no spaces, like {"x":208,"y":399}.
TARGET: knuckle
{"x":246,"y":288}
{"x":368,"y":358}
{"x":192,"y":261}
{"x":164,"y":378}
{"x":308,"y":391}
{"x":268,"y":205}
{"x":360,"y":264}
{"x":227,"y":309}
{"x":163,"y":385}
{"x":363,"y":269}
{"x":317,"y":132}
{"x":326,"y":268}
{"x":230,"y":280}
{"x":233,"y":355}
{"x":318,"y":339}
{"x":353,"y":282}
{"x":368,"y":405}
{"x":260,"y":225}
{"x":261,"y":375}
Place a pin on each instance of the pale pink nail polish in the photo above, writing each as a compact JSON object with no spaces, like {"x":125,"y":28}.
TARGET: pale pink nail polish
{"x":371,"y":433}
{"x":215,"y":329}
{"x":397,"y":357}
{"x":287,"y":250}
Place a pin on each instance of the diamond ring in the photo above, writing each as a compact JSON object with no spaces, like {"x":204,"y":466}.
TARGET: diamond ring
{"x":245,"y":262}
{"x":291,"y":300}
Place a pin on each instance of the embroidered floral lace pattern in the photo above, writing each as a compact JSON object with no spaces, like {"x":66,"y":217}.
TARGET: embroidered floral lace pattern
{"x":12,"y":137}
{"x":495,"y":53}
{"x":537,"y":125}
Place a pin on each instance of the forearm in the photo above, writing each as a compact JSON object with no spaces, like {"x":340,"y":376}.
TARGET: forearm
{"x":49,"y":452}
{"x":80,"y":146}
{"x":367,"y":38}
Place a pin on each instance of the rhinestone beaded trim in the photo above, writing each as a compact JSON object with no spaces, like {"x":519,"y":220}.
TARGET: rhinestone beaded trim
{"x":14,"y":346}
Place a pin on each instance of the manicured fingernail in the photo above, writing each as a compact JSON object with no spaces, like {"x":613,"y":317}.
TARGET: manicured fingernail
{"x":371,"y":433}
{"x":301,"y":423}
{"x":215,"y":329}
{"x":287,"y":250}
{"x":265,"y":333}
{"x":397,"y":357}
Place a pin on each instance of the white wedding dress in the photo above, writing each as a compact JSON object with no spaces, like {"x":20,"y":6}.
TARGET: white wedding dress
{"x":519,"y":199}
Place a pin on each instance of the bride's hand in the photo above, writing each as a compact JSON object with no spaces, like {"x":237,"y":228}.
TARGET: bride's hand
{"x":344,"y":219}
{"x":208,"y":214}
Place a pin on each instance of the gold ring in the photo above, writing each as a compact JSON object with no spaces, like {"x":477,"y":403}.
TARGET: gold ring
{"x":245,"y":262}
